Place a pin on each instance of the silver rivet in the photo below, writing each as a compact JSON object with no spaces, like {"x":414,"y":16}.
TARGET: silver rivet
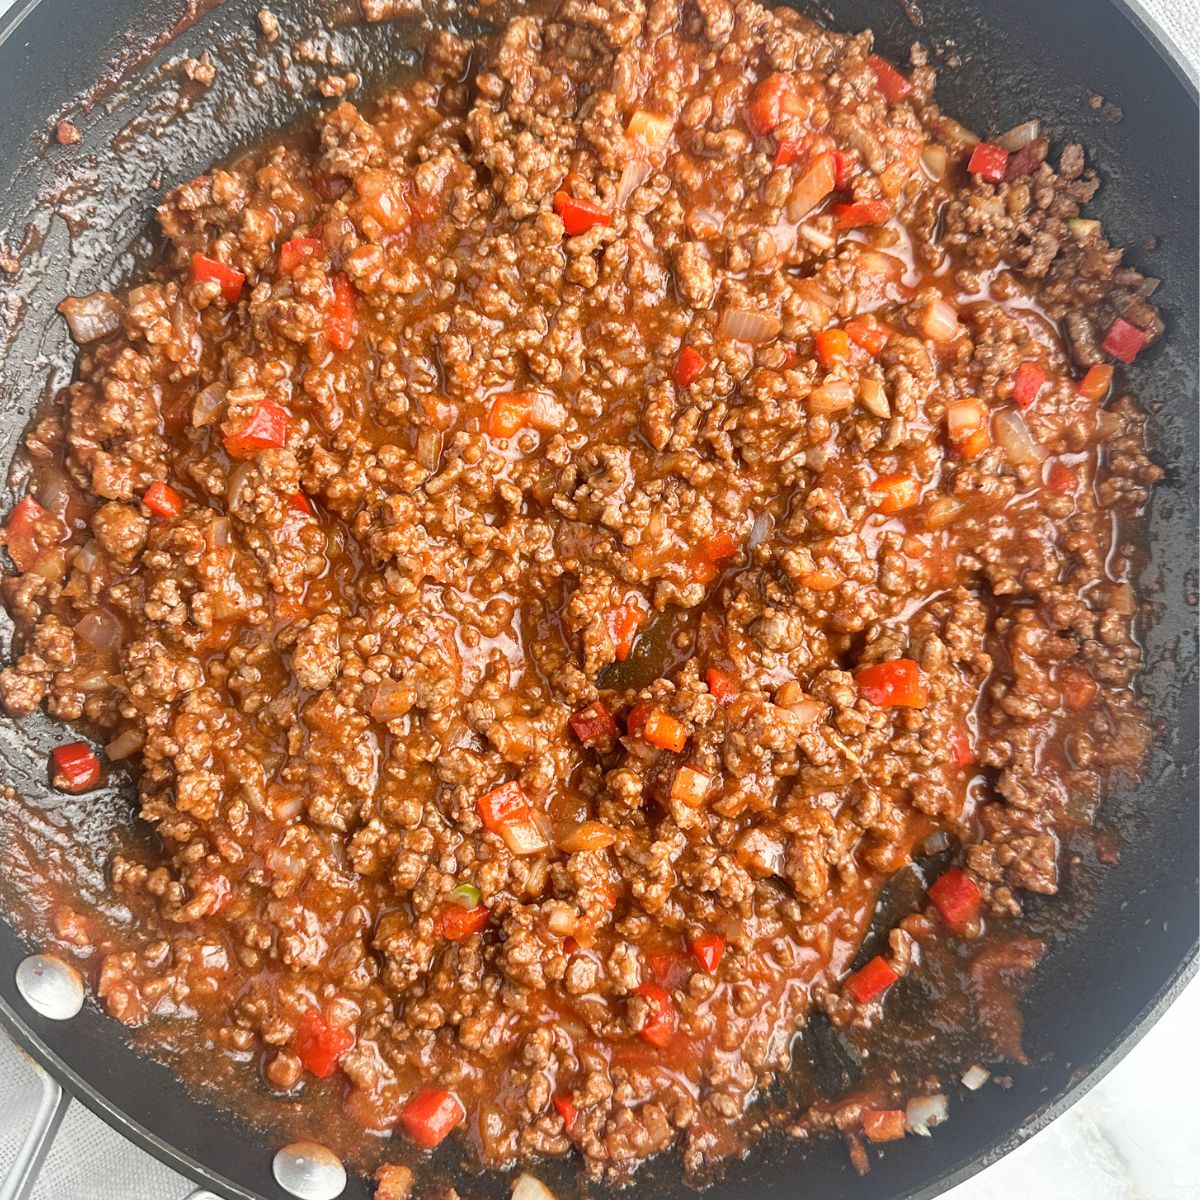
{"x":50,"y":987}
{"x":309,"y":1171}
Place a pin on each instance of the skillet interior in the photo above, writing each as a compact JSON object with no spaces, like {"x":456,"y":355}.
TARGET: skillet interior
{"x":1019,"y":58}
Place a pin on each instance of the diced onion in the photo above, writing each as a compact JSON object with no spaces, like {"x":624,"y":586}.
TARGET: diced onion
{"x":54,"y":491}
{"x":813,"y":303}
{"x":1149,"y":286}
{"x":529,"y":1188}
{"x":815,"y":238}
{"x":650,"y":129}
{"x":1016,"y":441}
{"x":975,"y":1077}
{"x":934,"y":159}
{"x":125,"y":744}
{"x":945,"y":510}
{"x":810,"y":189}
{"x":632,"y":177}
{"x":546,"y":414}
{"x":963,"y":418}
{"x":239,"y":477}
{"x":589,"y":835}
{"x":924,"y":1113}
{"x":877,"y":263}
{"x":99,"y":629}
{"x":523,"y":837}
{"x":874,"y":398}
{"x":1019,"y":136}
{"x":88,"y":558}
{"x":750,"y":325}
{"x":834,"y":396}
{"x":392,"y":700}
{"x":939,"y":321}
{"x":562,"y":919}
{"x":93,"y":681}
{"x":92,"y":317}
{"x":1081,"y":229}
{"x":690,"y":787}
{"x":218,"y":533}
{"x":208,"y":403}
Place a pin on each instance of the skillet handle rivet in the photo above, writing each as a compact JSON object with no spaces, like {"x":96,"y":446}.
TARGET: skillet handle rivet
{"x":52,"y":988}
{"x":309,"y":1171}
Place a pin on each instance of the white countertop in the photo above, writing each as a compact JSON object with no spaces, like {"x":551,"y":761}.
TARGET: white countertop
{"x":1135,"y":1136}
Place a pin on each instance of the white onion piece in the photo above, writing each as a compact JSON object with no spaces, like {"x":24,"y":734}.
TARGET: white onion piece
{"x":935,"y":160}
{"x":562,"y":920}
{"x":816,"y":239}
{"x":208,"y":403}
{"x":750,"y":325}
{"x":975,"y":1077}
{"x":1081,"y":228}
{"x":924,"y":1113}
{"x":88,"y":558}
{"x":811,"y":188}
{"x":529,"y":1188}
{"x":632,"y":178}
{"x":523,"y":837}
{"x":54,"y":491}
{"x":1016,"y":441}
{"x":874,"y":398}
{"x":945,"y":510}
{"x":546,"y":414}
{"x":99,"y":629}
{"x":939,"y":321}
{"x":218,"y":533}
{"x":1019,"y":136}
{"x":239,"y":478}
{"x":392,"y":700}
{"x":92,"y":317}
{"x":834,"y":396}
{"x":125,"y":744}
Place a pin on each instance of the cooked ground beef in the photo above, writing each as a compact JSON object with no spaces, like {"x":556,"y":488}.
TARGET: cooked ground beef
{"x":555,"y":542}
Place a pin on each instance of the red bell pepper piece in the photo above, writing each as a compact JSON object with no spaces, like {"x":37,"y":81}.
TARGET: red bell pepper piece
{"x":74,"y":767}
{"x":715,"y":549}
{"x":688,"y":366}
{"x":635,"y":719}
{"x":230,"y":280}
{"x":578,"y":216}
{"x":341,"y":325}
{"x":1123,"y":340}
{"x":988,"y":162}
{"x":871,"y":980}
{"x":163,"y":500}
{"x":893,"y":684}
{"x":1028,"y":382}
{"x":891,"y":83}
{"x":1077,"y":687}
{"x":593,"y":724}
{"x":868,"y":334}
{"x":960,"y":745}
{"x":298,"y":251}
{"x":266,"y":428}
{"x":301,"y":503}
{"x":503,"y":805}
{"x":708,"y":949}
{"x":566,"y":1109}
{"x":899,"y":491}
{"x":662,"y":1019}
{"x":623,"y":624}
{"x":843,"y":168}
{"x":956,"y":896}
{"x":455,"y":922}
{"x":20,"y":532}
{"x":1095,"y":384}
{"x":318,"y":1045}
{"x":860,"y":213}
{"x":430,"y":1115}
{"x":664,"y":731}
{"x":508,"y":414}
{"x":833,"y":347}
{"x":1060,"y":478}
{"x":721,"y":684}
{"x":787,"y":151}
{"x":772,"y":99}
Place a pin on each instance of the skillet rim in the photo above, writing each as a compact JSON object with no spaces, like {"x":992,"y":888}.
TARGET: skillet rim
{"x":1187,"y":74}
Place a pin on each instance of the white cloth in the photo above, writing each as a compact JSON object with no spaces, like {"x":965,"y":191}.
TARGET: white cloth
{"x":1084,"y":1155}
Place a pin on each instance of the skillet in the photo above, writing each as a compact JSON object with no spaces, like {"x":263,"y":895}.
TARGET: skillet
{"x":74,"y":210}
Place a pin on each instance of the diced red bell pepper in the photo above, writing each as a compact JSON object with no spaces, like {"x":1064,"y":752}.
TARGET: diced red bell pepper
{"x":871,"y":980}
{"x":988,"y":162}
{"x":230,"y":280}
{"x":508,"y":414}
{"x":1095,"y":384}
{"x":1123,"y":340}
{"x":833,"y":346}
{"x":455,"y":922}
{"x":893,"y":684}
{"x":787,"y":152}
{"x":868,"y":334}
{"x":715,"y":548}
{"x":20,"y":532}
{"x":266,"y":428}
{"x":430,"y":1115}
{"x":301,"y":503}
{"x":1060,"y":478}
{"x":960,"y":745}
{"x":899,"y":492}
{"x":297,"y":252}
{"x":163,"y":500}
{"x":635,"y":719}
{"x":884,"y":1124}
{"x":74,"y":767}
{"x":772,"y":99}
{"x":664,"y":731}
{"x":623,"y":624}
{"x":956,"y":896}
{"x":708,"y":949}
{"x":1028,"y":382}
{"x":891,"y":83}
{"x":318,"y":1045}
{"x":566,"y":1109}
{"x":1077,"y":687}
{"x":860,"y":213}
{"x":843,"y":168}
{"x":341,"y":325}
{"x":688,"y":366}
{"x":503,"y":805}
{"x":722,"y":685}
{"x":578,"y":216}
{"x":662,"y":1020}
{"x":593,"y":724}
{"x":668,"y":968}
